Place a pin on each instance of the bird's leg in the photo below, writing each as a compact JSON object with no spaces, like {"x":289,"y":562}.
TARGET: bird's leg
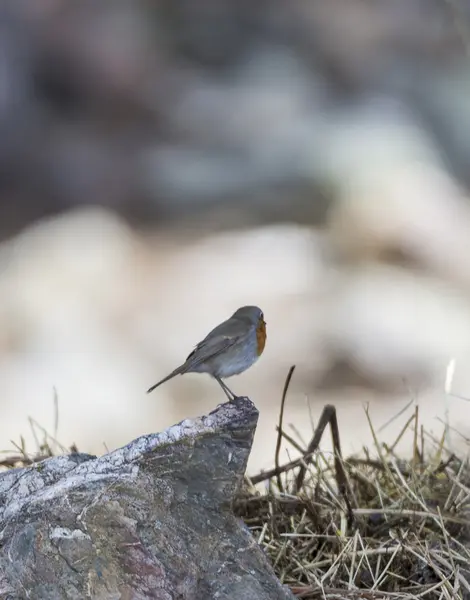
{"x":228,"y":392}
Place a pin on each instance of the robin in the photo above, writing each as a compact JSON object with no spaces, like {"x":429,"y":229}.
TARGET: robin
{"x":229,"y":349}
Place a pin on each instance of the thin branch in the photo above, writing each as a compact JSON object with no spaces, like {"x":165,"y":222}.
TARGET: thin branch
{"x":279,"y":431}
{"x":325,"y":419}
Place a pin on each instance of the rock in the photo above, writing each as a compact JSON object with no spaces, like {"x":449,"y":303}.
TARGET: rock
{"x":391,"y":323}
{"x":150,"y":520}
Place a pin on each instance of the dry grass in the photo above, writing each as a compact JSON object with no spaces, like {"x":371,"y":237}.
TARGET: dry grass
{"x":393,"y":529}
{"x":46,"y":445}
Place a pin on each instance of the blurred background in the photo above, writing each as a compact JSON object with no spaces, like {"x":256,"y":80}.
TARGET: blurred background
{"x":164,"y":162}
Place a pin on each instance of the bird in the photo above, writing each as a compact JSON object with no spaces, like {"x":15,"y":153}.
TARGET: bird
{"x":229,"y":349}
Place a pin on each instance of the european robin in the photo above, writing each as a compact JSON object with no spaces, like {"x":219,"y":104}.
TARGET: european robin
{"x":229,"y":349}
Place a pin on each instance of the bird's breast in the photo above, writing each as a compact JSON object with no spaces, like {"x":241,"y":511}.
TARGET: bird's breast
{"x":260,"y":337}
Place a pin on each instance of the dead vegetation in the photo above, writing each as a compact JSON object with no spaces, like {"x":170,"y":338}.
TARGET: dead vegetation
{"x":365,"y":527}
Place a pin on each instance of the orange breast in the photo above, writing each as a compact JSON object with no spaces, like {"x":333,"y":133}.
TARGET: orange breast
{"x":261,"y":336}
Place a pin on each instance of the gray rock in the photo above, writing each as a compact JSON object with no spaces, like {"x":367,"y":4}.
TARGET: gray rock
{"x":150,"y":520}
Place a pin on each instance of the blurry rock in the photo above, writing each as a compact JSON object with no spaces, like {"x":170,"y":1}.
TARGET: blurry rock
{"x":441,"y":98}
{"x":245,"y":135}
{"x":376,"y":46}
{"x":79,"y":162}
{"x":394,"y":325}
{"x":95,"y":59}
{"x":394,"y":196}
{"x":16,"y":87}
{"x":67,"y":288}
{"x":52,"y":260}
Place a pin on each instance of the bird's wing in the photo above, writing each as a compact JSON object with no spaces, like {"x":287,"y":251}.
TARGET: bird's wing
{"x":218,"y":340}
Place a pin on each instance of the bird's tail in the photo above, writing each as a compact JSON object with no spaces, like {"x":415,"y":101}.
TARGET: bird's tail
{"x":178,"y":371}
